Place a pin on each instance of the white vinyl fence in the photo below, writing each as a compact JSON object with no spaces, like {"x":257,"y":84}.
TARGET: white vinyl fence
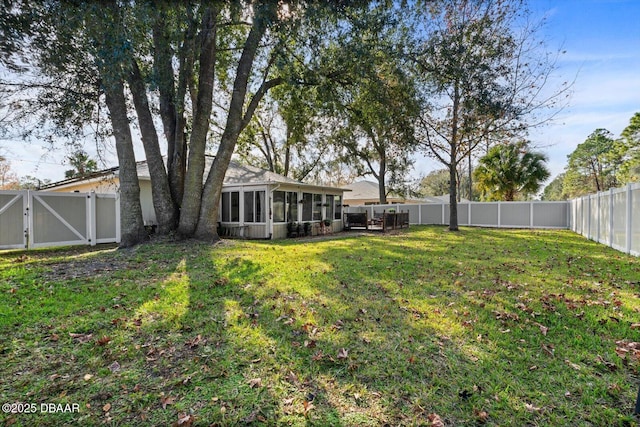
{"x":610,"y":217}
{"x":531,"y":214}
{"x":35,"y":219}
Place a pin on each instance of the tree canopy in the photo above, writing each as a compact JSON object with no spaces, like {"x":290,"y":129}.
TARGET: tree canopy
{"x":511,"y":172}
{"x":293,"y":86}
{"x":484,"y":72}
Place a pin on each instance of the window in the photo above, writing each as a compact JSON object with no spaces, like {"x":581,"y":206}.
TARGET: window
{"x":317,"y":207}
{"x":330,"y":206}
{"x":235,"y":206}
{"x":278,"y":206}
{"x":254,"y":206}
{"x":292,"y":207}
{"x":285,"y":206}
{"x":338,"y":209}
{"x":231,"y":206}
{"x":225,"y":207}
{"x":307,"y":206}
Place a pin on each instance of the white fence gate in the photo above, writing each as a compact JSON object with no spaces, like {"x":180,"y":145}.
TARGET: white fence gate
{"x":35,"y":219}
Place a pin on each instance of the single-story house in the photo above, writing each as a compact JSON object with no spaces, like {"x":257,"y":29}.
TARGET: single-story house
{"x":255,"y":203}
{"x":368,"y":193}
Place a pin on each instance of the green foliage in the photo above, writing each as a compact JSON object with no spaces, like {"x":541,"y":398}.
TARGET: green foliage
{"x":511,"y":171}
{"x":436,"y":183}
{"x":368,"y":89}
{"x":629,"y":147}
{"x":593,"y":165}
{"x":521,"y":325}
{"x":82,"y":165}
{"x":8,"y":179}
{"x":483,"y":68}
{"x":554,"y":190}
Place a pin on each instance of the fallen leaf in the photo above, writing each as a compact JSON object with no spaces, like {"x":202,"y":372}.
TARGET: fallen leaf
{"x":543,"y":329}
{"x":343,"y":353}
{"x":611,"y":366}
{"x":310,"y":344}
{"x":106,"y":407}
{"x":292,"y":378}
{"x":167,"y":400}
{"x":103,"y":341}
{"x":635,"y":326}
{"x":308,"y":406}
{"x":185,"y":420}
{"x":481,"y":416}
{"x":531,"y":408}
{"x":255,"y":382}
{"x":435,"y":420}
{"x":81,"y":338}
{"x":195,"y":341}
{"x":254,"y":415}
{"x":318,"y":356}
{"x":573,"y":365}
{"x":87,"y":377}
{"x":114,"y":367}
{"x":548,"y":348}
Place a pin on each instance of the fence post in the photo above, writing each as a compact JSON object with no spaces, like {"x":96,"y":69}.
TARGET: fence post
{"x":597,"y":216}
{"x":92,"y":218}
{"x":611,"y":211}
{"x":118,"y":231}
{"x":29,"y":214}
{"x":628,"y":224}
{"x":589,"y":217}
{"x":442,"y":222}
{"x":531,"y":214}
{"x":26,"y":222}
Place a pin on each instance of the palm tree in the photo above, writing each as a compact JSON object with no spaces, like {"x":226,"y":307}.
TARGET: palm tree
{"x":511,"y":170}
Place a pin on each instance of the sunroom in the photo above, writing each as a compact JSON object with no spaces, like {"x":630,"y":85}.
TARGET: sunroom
{"x":279,"y":210}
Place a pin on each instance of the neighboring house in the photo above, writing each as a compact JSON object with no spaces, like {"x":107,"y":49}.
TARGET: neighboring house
{"x":367,"y":193}
{"x":255,"y":203}
{"x":439,"y":199}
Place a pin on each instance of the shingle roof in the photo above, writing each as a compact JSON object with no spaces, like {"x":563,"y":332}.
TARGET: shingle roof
{"x":236,"y":174}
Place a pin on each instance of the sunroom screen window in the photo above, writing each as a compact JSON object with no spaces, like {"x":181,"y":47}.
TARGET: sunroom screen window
{"x":292,"y":207}
{"x":225,"y":207}
{"x":235,"y":206}
{"x":307,"y":206}
{"x":278,"y":206}
{"x":330,"y":206}
{"x":317,"y":207}
{"x":254,"y":206}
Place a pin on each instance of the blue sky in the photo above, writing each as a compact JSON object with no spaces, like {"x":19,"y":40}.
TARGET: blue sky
{"x":602,"y":43}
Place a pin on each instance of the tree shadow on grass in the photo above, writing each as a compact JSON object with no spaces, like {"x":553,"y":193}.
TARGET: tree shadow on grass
{"x":355,"y":331}
{"x":412,"y":337}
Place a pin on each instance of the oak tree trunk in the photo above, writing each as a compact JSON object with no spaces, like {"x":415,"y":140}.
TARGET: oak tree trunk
{"x":131,"y":222}
{"x":166,"y":213}
{"x":192,"y":197}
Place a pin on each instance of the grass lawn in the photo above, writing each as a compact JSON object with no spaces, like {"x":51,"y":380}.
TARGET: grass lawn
{"x":423,"y":327}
